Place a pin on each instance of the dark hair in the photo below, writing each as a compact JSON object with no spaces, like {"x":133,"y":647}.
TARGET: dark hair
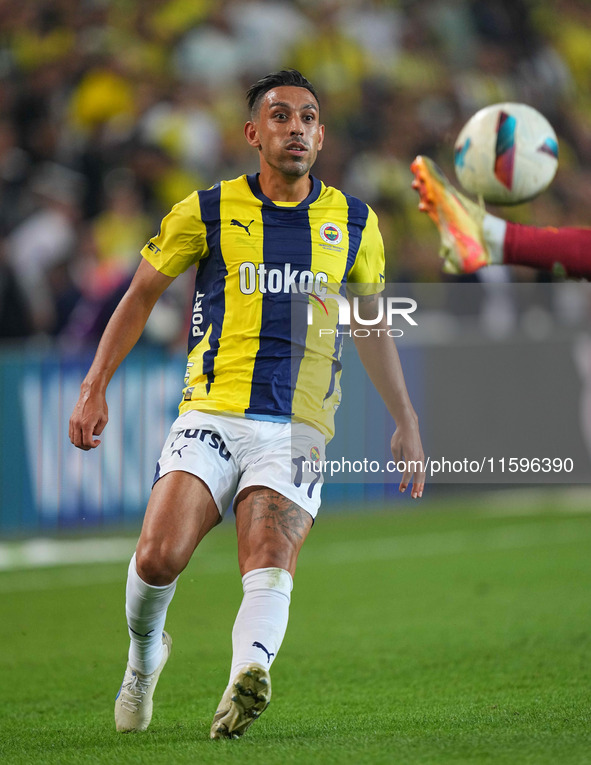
{"x":290,"y":77}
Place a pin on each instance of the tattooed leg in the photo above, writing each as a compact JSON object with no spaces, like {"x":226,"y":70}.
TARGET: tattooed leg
{"x":271,"y":530}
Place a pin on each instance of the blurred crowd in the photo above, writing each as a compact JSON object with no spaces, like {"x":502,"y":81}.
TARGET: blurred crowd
{"x":113,"y":110}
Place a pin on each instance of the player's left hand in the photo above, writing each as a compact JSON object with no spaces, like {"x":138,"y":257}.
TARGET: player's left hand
{"x":406,"y":446}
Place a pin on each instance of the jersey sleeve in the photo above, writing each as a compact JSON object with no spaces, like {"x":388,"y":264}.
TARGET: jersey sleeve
{"x":366,"y":275}
{"x":181,"y":240}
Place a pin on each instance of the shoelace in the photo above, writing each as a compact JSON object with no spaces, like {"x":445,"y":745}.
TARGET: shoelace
{"x":133,"y":690}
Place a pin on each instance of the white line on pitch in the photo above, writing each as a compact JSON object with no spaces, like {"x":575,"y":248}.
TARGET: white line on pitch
{"x":213,"y":561}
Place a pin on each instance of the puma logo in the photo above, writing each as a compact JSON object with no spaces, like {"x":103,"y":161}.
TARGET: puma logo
{"x":235,"y":222}
{"x":139,"y":634}
{"x":256,"y":644}
{"x":179,"y":450}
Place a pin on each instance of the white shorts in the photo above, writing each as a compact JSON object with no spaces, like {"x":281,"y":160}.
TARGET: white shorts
{"x":231,"y":453}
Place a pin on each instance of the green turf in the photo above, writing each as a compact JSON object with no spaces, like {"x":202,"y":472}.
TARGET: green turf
{"x":433,"y":636}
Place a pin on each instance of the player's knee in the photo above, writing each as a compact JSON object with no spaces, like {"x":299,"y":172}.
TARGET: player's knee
{"x":158,"y":564}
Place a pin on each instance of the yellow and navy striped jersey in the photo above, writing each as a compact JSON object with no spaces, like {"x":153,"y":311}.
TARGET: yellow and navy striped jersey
{"x":263,"y":269}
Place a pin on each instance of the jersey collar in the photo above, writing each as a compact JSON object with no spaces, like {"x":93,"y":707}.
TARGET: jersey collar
{"x":253,"y":182}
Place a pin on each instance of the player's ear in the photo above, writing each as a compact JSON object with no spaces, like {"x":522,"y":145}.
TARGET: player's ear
{"x":320,"y":136}
{"x":251,"y":134}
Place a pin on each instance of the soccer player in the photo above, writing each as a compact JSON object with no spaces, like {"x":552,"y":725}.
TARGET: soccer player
{"x":471,"y":238}
{"x":260,"y":389}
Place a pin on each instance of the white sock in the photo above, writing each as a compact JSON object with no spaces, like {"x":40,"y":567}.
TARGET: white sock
{"x":145,"y":608}
{"x":262,"y":618}
{"x":494,"y":230}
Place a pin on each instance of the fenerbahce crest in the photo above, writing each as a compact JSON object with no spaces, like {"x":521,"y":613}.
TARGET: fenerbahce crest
{"x":331,"y":234}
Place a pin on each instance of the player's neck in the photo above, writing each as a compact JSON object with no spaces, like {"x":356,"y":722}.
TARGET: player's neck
{"x":280,"y":188}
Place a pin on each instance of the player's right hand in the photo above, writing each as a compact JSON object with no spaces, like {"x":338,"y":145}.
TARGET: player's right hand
{"x":88,"y":420}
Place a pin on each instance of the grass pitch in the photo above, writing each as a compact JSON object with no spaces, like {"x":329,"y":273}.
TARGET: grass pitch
{"x":445,"y":634}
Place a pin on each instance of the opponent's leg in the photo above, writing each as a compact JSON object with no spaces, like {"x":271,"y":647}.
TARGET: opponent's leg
{"x":179,"y":514}
{"x":271,"y":530}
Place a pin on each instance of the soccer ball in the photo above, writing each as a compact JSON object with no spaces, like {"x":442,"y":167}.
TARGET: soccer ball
{"x":506,"y":153}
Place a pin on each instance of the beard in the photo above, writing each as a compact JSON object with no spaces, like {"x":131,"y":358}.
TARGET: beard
{"x":292,"y":167}
{"x":295,"y":168}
